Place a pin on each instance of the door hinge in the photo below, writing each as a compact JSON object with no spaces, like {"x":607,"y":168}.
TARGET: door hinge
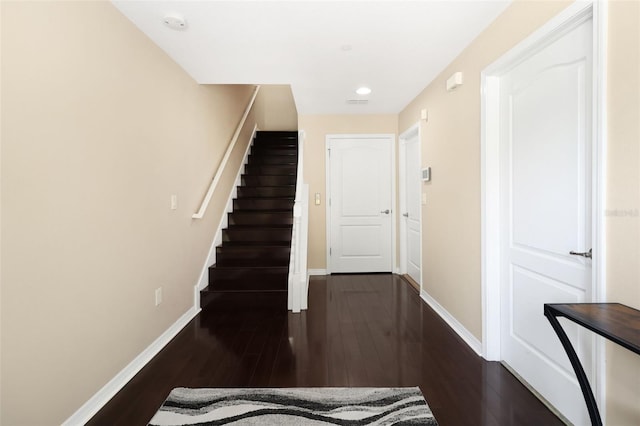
{"x":329,"y":152}
{"x":329,"y":251}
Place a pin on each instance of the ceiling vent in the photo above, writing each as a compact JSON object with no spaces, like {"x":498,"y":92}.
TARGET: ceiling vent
{"x":357,"y":101}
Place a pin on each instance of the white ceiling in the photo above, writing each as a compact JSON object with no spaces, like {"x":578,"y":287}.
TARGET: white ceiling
{"x":324,"y":49}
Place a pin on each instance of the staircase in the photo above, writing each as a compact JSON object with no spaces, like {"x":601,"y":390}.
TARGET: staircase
{"x":252,"y":263}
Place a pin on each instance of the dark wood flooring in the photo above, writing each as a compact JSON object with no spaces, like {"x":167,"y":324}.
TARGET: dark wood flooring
{"x":359,"y":330}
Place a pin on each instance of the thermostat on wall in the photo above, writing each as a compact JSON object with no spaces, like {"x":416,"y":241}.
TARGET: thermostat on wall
{"x":426,"y":174}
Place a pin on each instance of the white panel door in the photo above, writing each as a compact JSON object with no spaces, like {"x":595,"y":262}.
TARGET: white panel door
{"x":411,"y":216}
{"x":546,"y":192}
{"x":360,"y":190}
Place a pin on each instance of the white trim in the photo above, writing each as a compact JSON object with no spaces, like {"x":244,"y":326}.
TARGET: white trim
{"x":203,"y":279}
{"x":460,"y":329}
{"x":547,"y":33}
{"x":490,"y":221}
{"x":402,"y":196}
{"x":392,"y":138}
{"x":600,"y":19}
{"x":317,"y":272}
{"x":490,"y":179}
{"x":402,"y":267}
{"x":327,"y":201}
{"x":600,"y":31}
{"x":223,"y":163}
{"x":100,"y":399}
{"x":394,"y":201}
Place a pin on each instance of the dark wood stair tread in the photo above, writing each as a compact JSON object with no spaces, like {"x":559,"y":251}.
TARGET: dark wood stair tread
{"x":242,"y":291}
{"x":266,"y":248}
{"x":252,"y":263}
{"x":280,"y":243}
{"x":247,"y":211}
{"x":258,"y":226}
{"x":286,"y":186}
{"x":282,"y":197}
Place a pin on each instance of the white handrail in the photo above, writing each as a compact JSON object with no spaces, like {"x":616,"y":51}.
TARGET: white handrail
{"x":227,"y":154}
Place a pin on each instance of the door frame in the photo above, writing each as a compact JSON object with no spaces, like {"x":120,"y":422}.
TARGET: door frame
{"x":337,"y":137}
{"x":414,"y":129}
{"x":490,"y":177}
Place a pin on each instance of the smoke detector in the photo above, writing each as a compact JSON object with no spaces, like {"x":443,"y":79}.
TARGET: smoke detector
{"x":175,"y":22}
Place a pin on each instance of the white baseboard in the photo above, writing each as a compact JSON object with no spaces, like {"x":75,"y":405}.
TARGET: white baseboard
{"x":316,"y":271}
{"x":104,"y":395}
{"x":465,"y":334}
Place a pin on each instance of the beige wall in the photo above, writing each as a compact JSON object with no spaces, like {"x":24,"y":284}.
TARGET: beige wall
{"x":316,"y":128}
{"x":451,"y":146}
{"x":623,"y":195}
{"x":277,"y":108}
{"x":99,"y":128}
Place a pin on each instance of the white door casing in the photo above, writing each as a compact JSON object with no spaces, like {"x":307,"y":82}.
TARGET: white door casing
{"x":360,"y":203}
{"x":537,"y":203}
{"x":410,"y":206}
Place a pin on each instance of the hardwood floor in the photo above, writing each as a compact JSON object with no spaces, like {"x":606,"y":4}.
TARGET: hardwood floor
{"x":359,"y":330}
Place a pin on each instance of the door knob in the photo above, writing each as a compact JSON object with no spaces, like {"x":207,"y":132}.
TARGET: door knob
{"x":387,"y":211}
{"x":586,"y":254}
{"x":405,"y":214}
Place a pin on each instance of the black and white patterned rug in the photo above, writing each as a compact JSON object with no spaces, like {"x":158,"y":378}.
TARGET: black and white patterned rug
{"x":295,"y":406}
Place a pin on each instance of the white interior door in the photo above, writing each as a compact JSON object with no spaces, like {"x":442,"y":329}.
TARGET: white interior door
{"x":360,"y":182}
{"x":546,"y":197}
{"x":410,"y":194}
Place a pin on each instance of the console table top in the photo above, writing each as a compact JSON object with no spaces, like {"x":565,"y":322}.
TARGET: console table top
{"x":617,"y":322}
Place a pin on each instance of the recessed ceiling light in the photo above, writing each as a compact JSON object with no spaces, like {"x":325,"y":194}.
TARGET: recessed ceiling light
{"x":175,"y":22}
{"x":363,"y":91}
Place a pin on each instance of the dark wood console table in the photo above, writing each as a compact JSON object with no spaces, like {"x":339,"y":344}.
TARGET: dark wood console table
{"x":616,"y":322}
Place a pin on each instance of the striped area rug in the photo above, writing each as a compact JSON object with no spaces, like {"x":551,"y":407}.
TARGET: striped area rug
{"x":295,"y":406}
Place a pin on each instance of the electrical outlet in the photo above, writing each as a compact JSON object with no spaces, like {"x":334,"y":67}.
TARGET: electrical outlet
{"x":158,"y":296}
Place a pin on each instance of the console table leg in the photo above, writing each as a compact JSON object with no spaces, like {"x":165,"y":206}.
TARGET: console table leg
{"x":592,"y":407}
